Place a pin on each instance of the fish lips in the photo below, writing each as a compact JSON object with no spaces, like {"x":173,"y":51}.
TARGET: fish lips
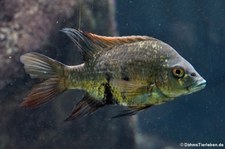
{"x":197,"y":86}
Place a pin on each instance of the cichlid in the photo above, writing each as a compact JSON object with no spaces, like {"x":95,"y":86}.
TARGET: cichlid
{"x":133,"y":71}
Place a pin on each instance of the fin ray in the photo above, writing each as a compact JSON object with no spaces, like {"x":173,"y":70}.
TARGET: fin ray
{"x":90,"y":44}
{"x":131,"y":88}
{"x":43,"y":67}
{"x":86,"y":106}
{"x":131,"y":111}
{"x":40,"y":66}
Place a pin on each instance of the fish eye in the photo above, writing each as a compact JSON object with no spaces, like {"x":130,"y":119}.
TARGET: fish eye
{"x":178,"y":72}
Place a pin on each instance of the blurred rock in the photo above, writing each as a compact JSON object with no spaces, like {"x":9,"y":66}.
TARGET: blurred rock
{"x":28,"y":25}
{"x":34,"y":26}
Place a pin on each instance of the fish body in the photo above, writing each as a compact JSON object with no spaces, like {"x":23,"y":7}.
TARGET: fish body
{"x":133,"y":71}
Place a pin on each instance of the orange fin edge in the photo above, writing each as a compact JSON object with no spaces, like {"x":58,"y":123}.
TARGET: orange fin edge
{"x":43,"y":93}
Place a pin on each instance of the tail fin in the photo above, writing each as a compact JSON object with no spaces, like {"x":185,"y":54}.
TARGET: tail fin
{"x":40,"y":66}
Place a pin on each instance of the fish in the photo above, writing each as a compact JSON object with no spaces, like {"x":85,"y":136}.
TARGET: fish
{"x":136,"y":72}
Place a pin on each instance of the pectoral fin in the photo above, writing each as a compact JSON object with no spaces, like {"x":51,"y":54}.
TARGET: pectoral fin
{"x":131,"y":89}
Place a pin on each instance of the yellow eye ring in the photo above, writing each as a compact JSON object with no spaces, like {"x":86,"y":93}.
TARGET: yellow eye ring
{"x":178,"y":72}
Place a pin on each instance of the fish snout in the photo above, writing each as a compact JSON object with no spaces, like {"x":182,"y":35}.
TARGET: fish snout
{"x":198,"y":85}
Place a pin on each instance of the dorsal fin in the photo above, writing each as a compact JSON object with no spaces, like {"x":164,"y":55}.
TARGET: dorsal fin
{"x":106,"y":41}
{"x":91,"y":43}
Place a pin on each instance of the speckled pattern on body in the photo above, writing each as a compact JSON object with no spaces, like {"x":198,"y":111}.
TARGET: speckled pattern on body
{"x":133,"y":71}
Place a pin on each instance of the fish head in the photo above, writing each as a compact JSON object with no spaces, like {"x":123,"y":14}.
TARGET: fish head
{"x":180,"y":78}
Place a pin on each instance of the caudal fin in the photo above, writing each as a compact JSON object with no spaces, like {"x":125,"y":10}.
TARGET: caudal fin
{"x":52,"y":71}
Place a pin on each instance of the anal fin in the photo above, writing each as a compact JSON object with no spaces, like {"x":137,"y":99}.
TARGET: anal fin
{"x":86,"y":106}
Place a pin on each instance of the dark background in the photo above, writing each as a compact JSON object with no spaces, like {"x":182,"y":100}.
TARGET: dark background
{"x":196,"y":29}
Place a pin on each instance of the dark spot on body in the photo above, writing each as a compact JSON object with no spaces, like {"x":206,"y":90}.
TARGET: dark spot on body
{"x":108,"y":96}
{"x":125,"y":77}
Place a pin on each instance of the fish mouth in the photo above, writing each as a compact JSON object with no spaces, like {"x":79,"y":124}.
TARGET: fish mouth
{"x":197,"y":86}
